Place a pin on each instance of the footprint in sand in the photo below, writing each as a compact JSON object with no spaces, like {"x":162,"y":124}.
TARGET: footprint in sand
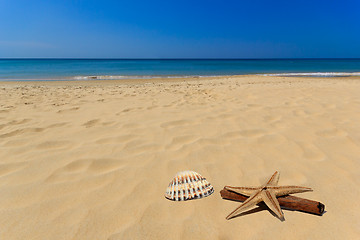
{"x":55,"y":125}
{"x":91,"y":123}
{"x":127,"y":110}
{"x":68,"y":110}
{"x":253,"y":105}
{"x":131,"y":125}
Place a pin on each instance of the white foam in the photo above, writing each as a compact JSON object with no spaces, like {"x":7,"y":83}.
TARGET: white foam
{"x":314,"y":74}
{"x":119,"y":77}
{"x":100,"y":77}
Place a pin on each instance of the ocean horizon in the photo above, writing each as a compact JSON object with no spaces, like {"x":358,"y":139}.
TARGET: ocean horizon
{"x":48,"y":69}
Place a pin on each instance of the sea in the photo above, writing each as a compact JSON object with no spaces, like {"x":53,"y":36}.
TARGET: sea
{"x":117,"y":69}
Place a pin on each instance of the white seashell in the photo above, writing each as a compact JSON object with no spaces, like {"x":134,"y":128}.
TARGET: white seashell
{"x":188,"y":185}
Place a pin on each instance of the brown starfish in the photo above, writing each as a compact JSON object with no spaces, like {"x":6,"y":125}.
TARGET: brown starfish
{"x":266,"y":193}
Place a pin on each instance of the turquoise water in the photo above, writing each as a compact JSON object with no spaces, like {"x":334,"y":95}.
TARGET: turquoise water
{"x":82,"y":69}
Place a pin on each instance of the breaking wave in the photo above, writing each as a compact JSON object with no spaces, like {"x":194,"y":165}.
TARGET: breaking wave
{"x":120,"y":77}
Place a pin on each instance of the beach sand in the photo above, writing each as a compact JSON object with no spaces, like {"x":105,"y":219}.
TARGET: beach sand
{"x":92,"y":160}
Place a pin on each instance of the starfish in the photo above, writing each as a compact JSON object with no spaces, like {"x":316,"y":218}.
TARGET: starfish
{"x":266,"y":193}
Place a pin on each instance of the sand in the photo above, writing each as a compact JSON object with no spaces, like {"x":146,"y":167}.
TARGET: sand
{"x":92,"y":160}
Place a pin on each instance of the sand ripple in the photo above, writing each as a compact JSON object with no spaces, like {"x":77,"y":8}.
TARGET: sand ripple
{"x":92,"y":160}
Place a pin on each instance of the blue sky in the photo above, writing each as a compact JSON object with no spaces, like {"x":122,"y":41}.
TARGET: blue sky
{"x":179,"y":29}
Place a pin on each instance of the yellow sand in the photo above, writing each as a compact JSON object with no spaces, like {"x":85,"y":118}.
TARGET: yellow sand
{"x":92,"y":160}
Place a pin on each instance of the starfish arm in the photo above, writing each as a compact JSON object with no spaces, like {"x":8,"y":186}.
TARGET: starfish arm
{"x":250,"y":202}
{"x":247,"y":191}
{"x":274,"y":179}
{"x":285,"y":190}
{"x":270,"y":200}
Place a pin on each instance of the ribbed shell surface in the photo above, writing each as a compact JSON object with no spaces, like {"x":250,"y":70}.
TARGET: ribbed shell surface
{"x":188,"y":185}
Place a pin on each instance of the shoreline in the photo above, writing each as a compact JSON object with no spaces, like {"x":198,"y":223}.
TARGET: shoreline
{"x":148,"y":77}
{"x":180,"y":79}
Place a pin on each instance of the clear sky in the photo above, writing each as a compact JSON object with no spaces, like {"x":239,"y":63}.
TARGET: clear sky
{"x":180,"y":29}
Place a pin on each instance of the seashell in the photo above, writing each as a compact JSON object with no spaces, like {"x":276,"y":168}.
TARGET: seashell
{"x":188,"y":185}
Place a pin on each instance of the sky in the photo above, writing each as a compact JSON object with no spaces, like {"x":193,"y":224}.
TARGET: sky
{"x":179,"y":29}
